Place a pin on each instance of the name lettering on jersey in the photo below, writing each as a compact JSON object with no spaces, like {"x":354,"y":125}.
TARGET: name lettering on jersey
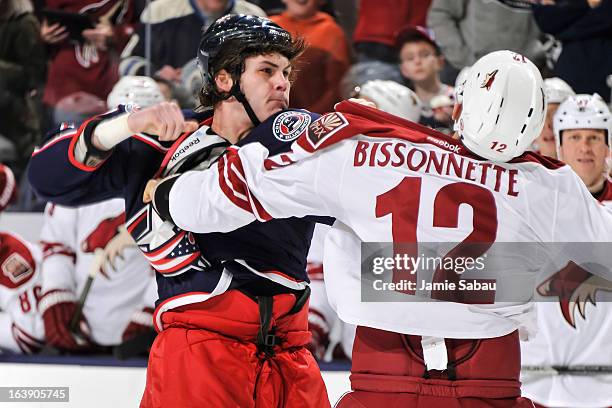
{"x":289,"y":125}
{"x":399,"y":154}
{"x":16,"y":268}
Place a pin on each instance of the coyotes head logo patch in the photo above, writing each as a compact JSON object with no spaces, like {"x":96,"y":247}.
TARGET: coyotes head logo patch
{"x":574,"y":287}
{"x":489,"y":79}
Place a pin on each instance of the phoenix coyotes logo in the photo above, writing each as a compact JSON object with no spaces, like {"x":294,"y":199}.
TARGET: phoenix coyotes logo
{"x":489,"y":79}
{"x":324,"y":127}
{"x":574,"y":287}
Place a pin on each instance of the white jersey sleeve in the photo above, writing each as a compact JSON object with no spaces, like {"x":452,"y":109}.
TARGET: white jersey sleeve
{"x":58,"y":238}
{"x":225,"y":200}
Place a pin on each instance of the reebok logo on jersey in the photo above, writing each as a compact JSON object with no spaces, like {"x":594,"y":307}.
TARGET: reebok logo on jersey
{"x":289,"y":125}
{"x":184,"y":149}
{"x":444,"y":144}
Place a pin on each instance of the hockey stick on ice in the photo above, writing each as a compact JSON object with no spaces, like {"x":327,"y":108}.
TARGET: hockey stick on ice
{"x":573,"y":370}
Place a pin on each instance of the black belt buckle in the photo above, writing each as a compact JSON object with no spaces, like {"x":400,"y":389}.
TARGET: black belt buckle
{"x":270,"y":341}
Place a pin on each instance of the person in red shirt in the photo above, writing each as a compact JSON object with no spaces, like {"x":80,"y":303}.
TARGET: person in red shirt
{"x":90,"y":65}
{"x":324,"y":62}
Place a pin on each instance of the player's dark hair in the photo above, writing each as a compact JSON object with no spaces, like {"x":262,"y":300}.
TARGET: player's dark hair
{"x":232,"y":56}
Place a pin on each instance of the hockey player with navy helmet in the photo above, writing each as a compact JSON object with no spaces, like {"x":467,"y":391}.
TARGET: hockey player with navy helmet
{"x":232,"y":308}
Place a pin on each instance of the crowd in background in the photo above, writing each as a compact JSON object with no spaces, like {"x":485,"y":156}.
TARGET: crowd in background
{"x":50,"y":73}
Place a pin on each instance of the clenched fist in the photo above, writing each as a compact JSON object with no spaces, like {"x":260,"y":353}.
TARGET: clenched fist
{"x":165,"y":120}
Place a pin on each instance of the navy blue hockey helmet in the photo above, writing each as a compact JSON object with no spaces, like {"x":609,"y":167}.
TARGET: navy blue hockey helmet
{"x":245,"y":32}
{"x":249,"y":30}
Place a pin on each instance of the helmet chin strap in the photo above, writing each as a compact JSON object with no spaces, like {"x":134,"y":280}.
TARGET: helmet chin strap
{"x":237,"y":93}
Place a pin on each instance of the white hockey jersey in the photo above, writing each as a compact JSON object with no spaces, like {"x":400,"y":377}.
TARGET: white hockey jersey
{"x":389,"y":180}
{"x":21,"y":326}
{"x":573,"y":332}
{"x":70,"y":237}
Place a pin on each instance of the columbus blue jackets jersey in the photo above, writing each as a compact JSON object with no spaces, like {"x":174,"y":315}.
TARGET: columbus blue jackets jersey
{"x":269,"y":258}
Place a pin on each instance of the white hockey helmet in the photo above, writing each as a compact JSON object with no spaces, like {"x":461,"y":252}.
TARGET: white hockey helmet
{"x":557,"y":90}
{"x":462,"y":76}
{"x":582,"y":112}
{"x":504,"y":106}
{"x":393,"y":98}
{"x":137,"y":90}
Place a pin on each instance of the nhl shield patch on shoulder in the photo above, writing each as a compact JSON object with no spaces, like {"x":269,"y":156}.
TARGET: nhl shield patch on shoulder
{"x":289,"y":125}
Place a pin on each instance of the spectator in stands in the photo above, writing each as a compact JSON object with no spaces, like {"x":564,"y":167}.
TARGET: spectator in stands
{"x":22,"y":75}
{"x":273,"y":7}
{"x":378,"y":23}
{"x":374,"y":39}
{"x":557,"y":90}
{"x":171,"y":20}
{"x":325,"y":61}
{"x":89,"y":65}
{"x":421,"y":63}
{"x":468,"y":29}
{"x":585,"y":31}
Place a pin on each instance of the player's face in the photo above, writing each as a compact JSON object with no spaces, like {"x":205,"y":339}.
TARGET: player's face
{"x":213,"y":6}
{"x":585,"y":150}
{"x":546,"y":140}
{"x":302,"y":8}
{"x":265,"y":83}
{"x":419,"y":62}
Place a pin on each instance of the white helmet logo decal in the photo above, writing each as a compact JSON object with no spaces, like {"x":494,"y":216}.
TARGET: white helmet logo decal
{"x":489,"y":79}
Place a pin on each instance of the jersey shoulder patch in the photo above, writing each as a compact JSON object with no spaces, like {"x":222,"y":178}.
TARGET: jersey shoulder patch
{"x":17,"y":264}
{"x":288,"y":125}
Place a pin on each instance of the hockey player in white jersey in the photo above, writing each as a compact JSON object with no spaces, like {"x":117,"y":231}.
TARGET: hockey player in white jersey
{"x":330,"y":335}
{"x":91,"y":242}
{"x":386,"y":180}
{"x":119,"y":304}
{"x":569,"y":362}
{"x":21,"y":326}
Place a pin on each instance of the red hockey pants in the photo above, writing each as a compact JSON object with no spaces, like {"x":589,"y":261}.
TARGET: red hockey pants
{"x":388,"y":371}
{"x":206,"y":356}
